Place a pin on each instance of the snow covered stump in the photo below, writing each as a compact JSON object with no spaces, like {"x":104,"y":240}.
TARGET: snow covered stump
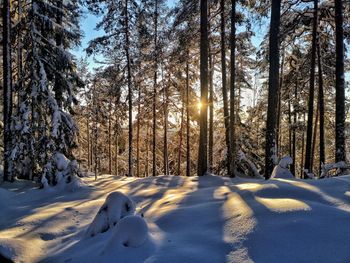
{"x":116,"y":207}
{"x":281,"y":170}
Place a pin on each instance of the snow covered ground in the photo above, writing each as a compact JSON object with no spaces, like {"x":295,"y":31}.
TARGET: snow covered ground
{"x":209,"y":219}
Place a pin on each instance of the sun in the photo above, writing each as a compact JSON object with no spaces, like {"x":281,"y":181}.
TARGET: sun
{"x":199,"y":105}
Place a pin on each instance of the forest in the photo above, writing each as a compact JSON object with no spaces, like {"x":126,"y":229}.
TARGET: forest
{"x":226,"y":112}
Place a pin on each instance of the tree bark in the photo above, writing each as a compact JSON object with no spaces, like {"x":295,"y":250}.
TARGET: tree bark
{"x":311,"y":93}
{"x":270,"y":147}
{"x":165,"y":150}
{"x":224,"y":88}
{"x":321,"y":106}
{"x":138,"y":134}
{"x":279,"y":95}
{"x":232,"y":136}
{"x":188,"y":146}
{"x":7,"y":94}
{"x":340,"y":153}
{"x":180,"y":141}
{"x":203,"y":119}
{"x":154,"y":165}
{"x":127,"y":49}
{"x":211,"y":102}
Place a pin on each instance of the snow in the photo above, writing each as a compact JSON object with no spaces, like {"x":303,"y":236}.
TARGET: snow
{"x":281,"y":170}
{"x":116,"y":207}
{"x":180,"y":219}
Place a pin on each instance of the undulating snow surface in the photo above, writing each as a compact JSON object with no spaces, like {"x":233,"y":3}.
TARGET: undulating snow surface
{"x":177,"y":219}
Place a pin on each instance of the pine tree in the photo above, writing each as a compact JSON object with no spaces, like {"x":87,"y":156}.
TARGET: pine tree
{"x":203,"y":136}
{"x":7,"y":92}
{"x":273,"y":87}
{"x":340,"y":153}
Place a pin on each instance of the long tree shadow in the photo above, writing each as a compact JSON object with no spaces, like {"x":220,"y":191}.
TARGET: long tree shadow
{"x":291,"y":235}
{"x":194,"y":222}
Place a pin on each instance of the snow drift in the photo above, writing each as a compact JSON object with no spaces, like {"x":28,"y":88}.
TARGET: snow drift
{"x":207,"y":219}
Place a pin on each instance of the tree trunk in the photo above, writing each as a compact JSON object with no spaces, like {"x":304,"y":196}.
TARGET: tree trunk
{"x":279,"y":95}
{"x":203,"y":119}
{"x":180,"y":140}
{"x":311,"y":92}
{"x":165,"y":150}
{"x":224,"y":88}
{"x":127,"y":47}
{"x":19,"y":58}
{"x":7,"y":94}
{"x":302,"y":151}
{"x":116,"y":155}
{"x":110,"y":138}
{"x":211,"y":105}
{"x":147,"y":152}
{"x":290,"y":127}
{"x":232,"y":136}
{"x":154,"y":166}
{"x":293,"y":170}
{"x":270,"y":148}
{"x":188,"y":147}
{"x":340,"y":153}
{"x":138,"y":134}
{"x":321,"y":106}
{"x":314,"y":139}
{"x":88,"y":143}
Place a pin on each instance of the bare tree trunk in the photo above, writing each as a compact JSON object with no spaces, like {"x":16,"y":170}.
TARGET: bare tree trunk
{"x":314,"y":138}
{"x":321,"y":106}
{"x":116,"y":155}
{"x":88,"y":143}
{"x":154,"y":166}
{"x":302,"y":151}
{"x":340,"y":152}
{"x":279,"y":94}
{"x":311,"y":92}
{"x":180,"y":140}
{"x":188,"y":147}
{"x":293,"y":170}
{"x":127,"y":47}
{"x":110,"y":137}
{"x":19,"y":58}
{"x":147,"y":152}
{"x":224,"y":88}
{"x":138,"y":134}
{"x":165,"y":145}
{"x":211,"y":105}
{"x":290,"y":127}
{"x":233,"y":89}
{"x":7,"y":97}
{"x":203,"y":119}
{"x":270,"y":150}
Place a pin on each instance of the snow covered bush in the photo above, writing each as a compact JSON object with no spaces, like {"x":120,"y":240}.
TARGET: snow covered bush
{"x":281,"y":170}
{"x":131,"y":231}
{"x":62,"y":173}
{"x":116,"y":207}
{"x":339,"y":167}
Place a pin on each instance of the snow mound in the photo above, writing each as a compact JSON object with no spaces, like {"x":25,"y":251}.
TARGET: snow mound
{"x":115,"y":207}
{"x":131,"y":231}
{"x":281,"y":170}
{"x":61,"y":161}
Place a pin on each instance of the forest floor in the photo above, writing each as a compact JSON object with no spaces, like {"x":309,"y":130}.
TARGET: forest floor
{"x":208,"y":219}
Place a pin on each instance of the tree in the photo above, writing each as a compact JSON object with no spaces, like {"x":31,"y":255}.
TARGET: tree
{"x":203,"y":122}
{"x":224,"y":88}
{"x":270,"y":144}
{"x":232,"y":136}
{"x":308,"y":164}
{"x":7,"y":94}
{"x":340,"y":153}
